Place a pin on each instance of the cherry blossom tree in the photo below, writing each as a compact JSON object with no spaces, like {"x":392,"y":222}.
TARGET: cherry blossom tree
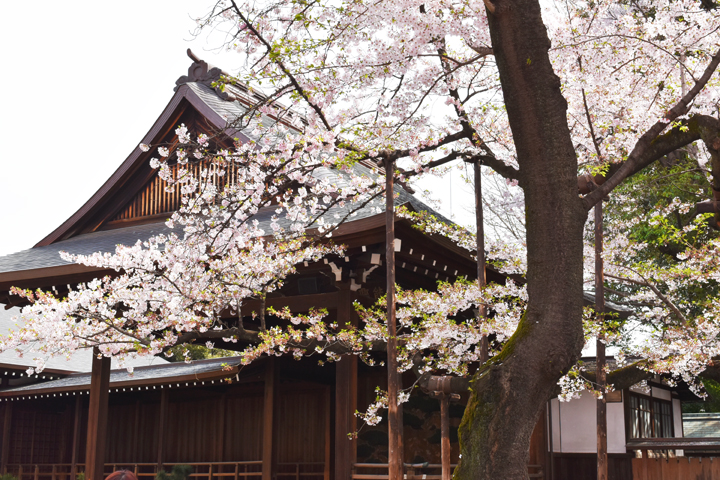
{"x":599,"y":90}
{"x":602,"y":89}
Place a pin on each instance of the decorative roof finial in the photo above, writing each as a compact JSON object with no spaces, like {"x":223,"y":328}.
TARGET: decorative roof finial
{"x":200,"y":71}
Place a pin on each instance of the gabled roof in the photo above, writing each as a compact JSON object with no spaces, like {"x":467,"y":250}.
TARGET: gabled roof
{"x":198,"y":96}
{"x":196,"y":91}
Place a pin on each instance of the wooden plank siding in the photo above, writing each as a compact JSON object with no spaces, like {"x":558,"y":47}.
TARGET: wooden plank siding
{"x":678,"y":468}
{"x":42,"y":430}
{"x":153,"y":199}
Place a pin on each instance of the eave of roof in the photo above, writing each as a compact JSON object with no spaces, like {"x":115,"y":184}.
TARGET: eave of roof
{"x":148,"y":376}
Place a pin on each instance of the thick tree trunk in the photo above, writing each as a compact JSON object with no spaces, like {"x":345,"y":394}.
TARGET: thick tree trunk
{"x":509,"y":394}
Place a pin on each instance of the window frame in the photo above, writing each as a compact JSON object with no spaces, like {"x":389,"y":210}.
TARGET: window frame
{"x":657,"y":419}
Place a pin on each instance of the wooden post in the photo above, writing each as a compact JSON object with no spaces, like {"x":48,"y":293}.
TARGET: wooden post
{"x":268,"y":470}
{"x":445,"y":436}
{"x":480,"y":251}
{"x":395,"y":447}
{"x":97,"y":417}
{"x":7,"y":422}
{"x":345,"y":393}
{"x":164,"y":399}
{"x":600,"y":374}
{"x":76,"y":437}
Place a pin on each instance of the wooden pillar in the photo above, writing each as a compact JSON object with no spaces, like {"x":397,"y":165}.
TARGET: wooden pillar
{"x":395,"y":424}
{"x":164,"y":398}
{"x":445,"y":436}
{"x":328,"y":435}
{"x":76,"y":437}
{"x":480,"y":251}
{"x":600,"y":374}
{"x":345,"y":394}
{"x":97,"y":417}
{"x":268,"y":464}
{"x":5,"y":452}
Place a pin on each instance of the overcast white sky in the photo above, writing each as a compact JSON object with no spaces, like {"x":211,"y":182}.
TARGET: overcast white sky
{"x":82,"y":82}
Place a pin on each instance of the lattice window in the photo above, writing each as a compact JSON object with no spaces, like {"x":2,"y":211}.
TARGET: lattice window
{"x":650,"y":417}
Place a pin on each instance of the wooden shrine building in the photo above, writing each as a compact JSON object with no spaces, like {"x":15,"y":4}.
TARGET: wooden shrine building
{"x":272,"y":419}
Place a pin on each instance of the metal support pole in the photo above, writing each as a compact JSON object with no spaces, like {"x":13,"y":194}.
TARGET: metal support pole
{"x":395,"y":447}
{"x":602,"y":465}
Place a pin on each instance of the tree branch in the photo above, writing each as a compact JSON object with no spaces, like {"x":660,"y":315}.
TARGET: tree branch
{"x":649,"y":147}
{"x":284,"y":69}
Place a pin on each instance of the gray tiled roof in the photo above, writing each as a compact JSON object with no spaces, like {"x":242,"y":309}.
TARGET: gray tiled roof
{"x":85,"y":244}
{"x":107,"y":240}
{"x":142,"y":375}
{"x":701,"y":424}
{"x":229,"y":111}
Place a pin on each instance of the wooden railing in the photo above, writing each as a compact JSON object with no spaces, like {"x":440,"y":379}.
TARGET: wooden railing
{"x":40,"y":471}
{"x":413,"y":471}
{"x":417,"y":471}
{"x":300,"y":471}
{"x":251,"y":470}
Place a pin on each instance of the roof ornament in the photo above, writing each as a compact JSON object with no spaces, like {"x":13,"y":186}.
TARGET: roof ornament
{"x":202,"y":72}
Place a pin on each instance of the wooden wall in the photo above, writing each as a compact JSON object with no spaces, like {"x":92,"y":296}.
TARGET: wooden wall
{"x":40,"y":432}
{"x":581,"y":466}
{"x":204,"y":424}
{"x":302,"y":418}
{"x":133,"y":427}
{"x":678,"y":468}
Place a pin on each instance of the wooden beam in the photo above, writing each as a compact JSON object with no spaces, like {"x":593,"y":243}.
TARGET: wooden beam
{"x":345,"y":394}
{"x":76,"y":438}
{"x":268,"y":464}
{"x":296,"y":303}
{"x":97,"y":417}
{"x":5,"y":452}
{"x":164,"y":398}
